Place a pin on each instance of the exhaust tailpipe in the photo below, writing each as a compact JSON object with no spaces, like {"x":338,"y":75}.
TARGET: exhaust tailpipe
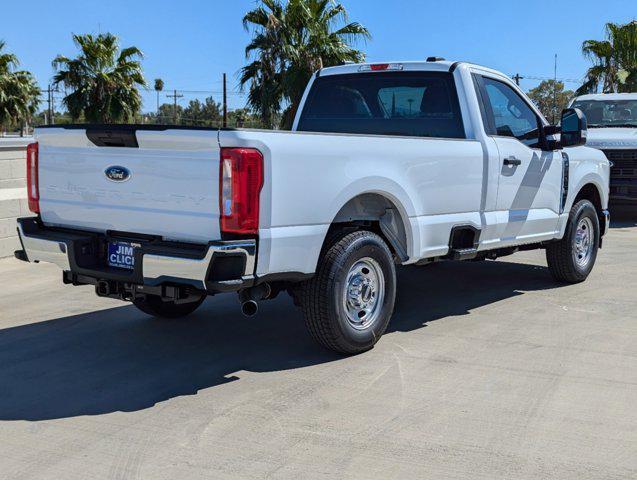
{"x":249,"y":308}
{"x":250,"y":296}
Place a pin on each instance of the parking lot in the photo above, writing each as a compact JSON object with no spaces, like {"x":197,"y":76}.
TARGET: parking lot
{"x":488,"y":370}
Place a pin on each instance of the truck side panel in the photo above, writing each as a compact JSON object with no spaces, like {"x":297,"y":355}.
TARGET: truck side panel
{"x":434,"y":183}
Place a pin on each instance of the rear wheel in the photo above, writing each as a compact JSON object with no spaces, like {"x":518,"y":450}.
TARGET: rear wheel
{"x":347,"y":305}
{"x":572,"y":258}
{"x":155,"y":306}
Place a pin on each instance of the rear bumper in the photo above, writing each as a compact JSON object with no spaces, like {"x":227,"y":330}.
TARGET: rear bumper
{"x":218,"y":266}
{"x":42,"y":248}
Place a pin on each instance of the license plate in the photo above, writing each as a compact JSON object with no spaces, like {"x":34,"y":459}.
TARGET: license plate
{"x":121,"y":255}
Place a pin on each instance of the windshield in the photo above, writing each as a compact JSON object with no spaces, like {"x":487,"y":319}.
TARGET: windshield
{"x":609,"y":113}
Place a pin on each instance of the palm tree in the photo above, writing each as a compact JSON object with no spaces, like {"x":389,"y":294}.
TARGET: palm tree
{"x":321,"y":37}
{"x":264,"y":72}
{"x":8,"y":61}
{"x":614,"y":60}
{"x":104,"y":80}
{"x":159,"y":86}
{"x":290,"y":43}
{"x":19,"y":93}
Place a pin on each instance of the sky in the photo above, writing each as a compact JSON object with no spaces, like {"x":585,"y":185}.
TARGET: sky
{"x":191,"y":43}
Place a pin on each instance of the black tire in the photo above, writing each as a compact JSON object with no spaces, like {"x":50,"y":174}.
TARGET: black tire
{"x":154,"y":306}
{"x":562,"y":256}
{"x":323,"y":298}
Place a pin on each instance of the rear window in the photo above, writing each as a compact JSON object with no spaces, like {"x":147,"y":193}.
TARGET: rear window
{"x":418,"y":104}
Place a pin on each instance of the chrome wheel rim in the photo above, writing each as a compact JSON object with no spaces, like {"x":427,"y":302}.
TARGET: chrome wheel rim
{"x":583,"y":242}
{"x":364,"y":293}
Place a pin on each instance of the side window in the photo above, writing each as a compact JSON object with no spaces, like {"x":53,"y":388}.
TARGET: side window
{"x":510,"y":115}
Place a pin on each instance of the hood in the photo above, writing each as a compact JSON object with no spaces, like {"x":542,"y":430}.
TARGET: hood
{"x":612,"y":138}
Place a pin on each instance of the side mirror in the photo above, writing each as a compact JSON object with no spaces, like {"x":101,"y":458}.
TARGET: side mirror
{"x":574,"y":127}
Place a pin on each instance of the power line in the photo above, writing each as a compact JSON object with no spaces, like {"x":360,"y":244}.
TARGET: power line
{"x":217,"y":92}
{"x":563,"y":80}
{"x":180,"y":90}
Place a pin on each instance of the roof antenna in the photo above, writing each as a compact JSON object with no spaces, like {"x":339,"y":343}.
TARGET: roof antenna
{"x":435,"y":59}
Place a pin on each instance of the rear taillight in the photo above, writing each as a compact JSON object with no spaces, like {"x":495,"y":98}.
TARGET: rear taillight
{"x":240,"y":183}
{"x":33,"y":188}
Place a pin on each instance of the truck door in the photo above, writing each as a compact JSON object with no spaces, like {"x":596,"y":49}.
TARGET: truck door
{"x":530,"y":179}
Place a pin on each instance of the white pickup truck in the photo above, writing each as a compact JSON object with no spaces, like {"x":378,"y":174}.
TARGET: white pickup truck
{"x":387,"y":164}
{"x":612,"y":120}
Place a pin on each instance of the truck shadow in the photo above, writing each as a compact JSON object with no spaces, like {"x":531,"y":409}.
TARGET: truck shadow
{"x":121,"y":360}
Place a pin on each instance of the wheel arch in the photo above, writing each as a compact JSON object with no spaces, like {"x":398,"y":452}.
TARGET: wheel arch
{"x":383,"y":213}
{"x":590,"y":190}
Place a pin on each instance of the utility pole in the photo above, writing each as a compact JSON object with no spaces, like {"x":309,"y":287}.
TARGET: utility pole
{"x":50,"y":120}
{"x":175,"y":96}
{"x":225,"y":103}
{"x":555,"y":90}
{"x":517,"y":79}
{"x":49,"y":95}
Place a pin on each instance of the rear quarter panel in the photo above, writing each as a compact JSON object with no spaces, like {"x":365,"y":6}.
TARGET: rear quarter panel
{"x":309,"y":177}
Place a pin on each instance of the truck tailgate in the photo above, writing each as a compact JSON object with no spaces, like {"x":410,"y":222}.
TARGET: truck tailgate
{"x":171,"y":190}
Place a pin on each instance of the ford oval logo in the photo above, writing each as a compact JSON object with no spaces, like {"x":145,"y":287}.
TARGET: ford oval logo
{"x":116,"y":173}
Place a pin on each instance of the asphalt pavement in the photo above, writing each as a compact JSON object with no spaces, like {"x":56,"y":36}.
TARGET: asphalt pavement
{"x":489,"y":370}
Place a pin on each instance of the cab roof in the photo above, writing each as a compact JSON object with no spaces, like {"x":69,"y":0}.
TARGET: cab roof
{"x":405,"y":66}
{"x":421,"y":65}
{"x":439,"y":66}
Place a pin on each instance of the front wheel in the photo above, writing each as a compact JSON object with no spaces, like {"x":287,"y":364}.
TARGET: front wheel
{"x":347,"y":305}
{"x":571,"y":259}
{"x":153,"y":305}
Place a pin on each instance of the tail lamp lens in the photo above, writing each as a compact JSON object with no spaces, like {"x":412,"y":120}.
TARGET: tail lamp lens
{"x":33,"y":188}
{"x":241,"y":180}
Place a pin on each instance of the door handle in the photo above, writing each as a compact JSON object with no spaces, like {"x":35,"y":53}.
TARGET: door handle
{"x":512,"y":161}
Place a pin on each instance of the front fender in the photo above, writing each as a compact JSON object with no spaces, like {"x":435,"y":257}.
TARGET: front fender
{"x":587,"y":166}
